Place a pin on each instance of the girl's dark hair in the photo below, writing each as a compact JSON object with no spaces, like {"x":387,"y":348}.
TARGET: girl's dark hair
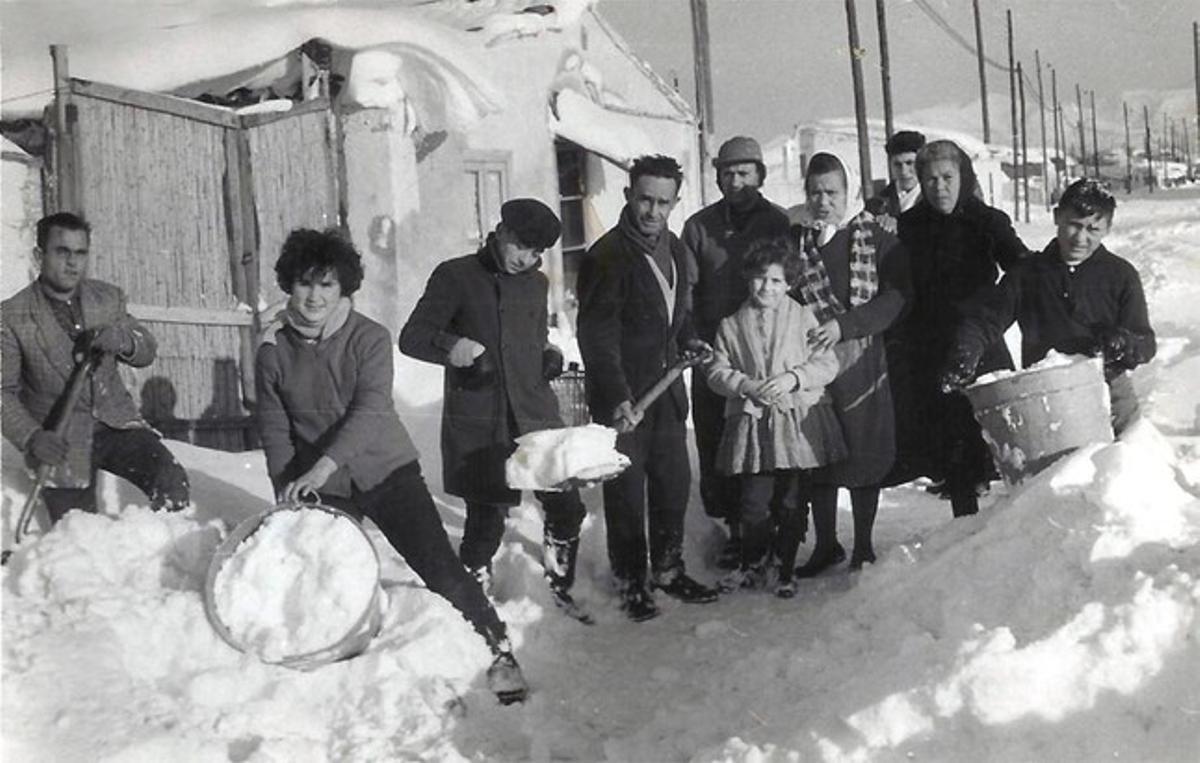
{"x":822,"y":163}
{"x":774,"y":251}
{"x":310,"y":252}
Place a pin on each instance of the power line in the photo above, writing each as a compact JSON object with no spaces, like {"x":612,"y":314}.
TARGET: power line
{"x":945,"y":26}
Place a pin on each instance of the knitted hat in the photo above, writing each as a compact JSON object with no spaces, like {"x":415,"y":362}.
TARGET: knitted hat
{"x":905,"y":142}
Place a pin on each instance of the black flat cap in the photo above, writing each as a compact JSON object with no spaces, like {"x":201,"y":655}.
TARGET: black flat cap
{"x":534,"y":223}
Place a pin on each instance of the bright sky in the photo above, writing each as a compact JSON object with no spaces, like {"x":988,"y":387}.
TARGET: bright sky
{"x":779,"y":62}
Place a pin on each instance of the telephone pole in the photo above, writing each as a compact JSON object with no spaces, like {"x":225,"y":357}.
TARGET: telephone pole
{"x":1012,"y":98}
{"x":1037,"y":59}
{"x":1082,"y":135}
{"x":1060,"y":163}
{"x":1196,"y":59}
{"x":983,"y":96}
{"x":885,"y":68}
{"x":704,"y":94}
{"x":1149,"y":150}
{"x":1128,"y":151}
{"x":1024,"y":142}
{"x":1095,"y":143}
{"x":860,"y":99}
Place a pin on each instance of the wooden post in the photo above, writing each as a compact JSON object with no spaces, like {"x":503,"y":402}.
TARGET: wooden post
{"x":1024,"y":141}
{"x":1012,"y":98}
{"x":1060,"y":163}
{"x":704,"y":93}
{"x":1149,"y":150}
{"x":983,"y":96}
{"x":860,"y":99}
{"x":66,"y":148}
{"x":1187,"y":150}
{"x":885,"y":68}
{"x":1082,"y":138}
{"x":1128,"y":152}
{"x":1037,"y":58}
{"x":1196,"y":63}
{"x":1095,"y":140}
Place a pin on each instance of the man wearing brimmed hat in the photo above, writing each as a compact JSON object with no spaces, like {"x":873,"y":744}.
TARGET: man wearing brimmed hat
{"x":716,"y":238}
{"x":902,"y":193}
{"x":483,"y":317}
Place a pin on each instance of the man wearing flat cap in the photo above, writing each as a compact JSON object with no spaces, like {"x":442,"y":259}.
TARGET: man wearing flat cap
{"x":903,"y":192}
{"x":716,"y":238}
{"x":483,"y":317}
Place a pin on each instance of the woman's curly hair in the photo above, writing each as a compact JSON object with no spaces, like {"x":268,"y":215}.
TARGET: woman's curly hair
{"x":313,"y":253}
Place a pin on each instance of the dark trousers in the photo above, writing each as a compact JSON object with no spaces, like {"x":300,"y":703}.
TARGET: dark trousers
{"x":137,"y":455}
{"x":404,"y":511}
{"x":771,"y":517}
{"x":654,"y":491}
{"x":718,"y":492}
{"x":484,"y":528}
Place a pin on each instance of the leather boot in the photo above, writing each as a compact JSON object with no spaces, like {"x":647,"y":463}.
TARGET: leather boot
{"x":559,"y":562}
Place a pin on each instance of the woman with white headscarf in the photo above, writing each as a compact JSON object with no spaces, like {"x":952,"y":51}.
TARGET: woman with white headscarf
{"x":855,"y":279}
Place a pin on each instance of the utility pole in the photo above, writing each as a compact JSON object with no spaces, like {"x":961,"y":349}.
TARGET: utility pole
{"x":1149,"y":151}
{"x":1196,"y":59}
{"x":1012,"y":98}
{"x":983,"y":95}
{"x":1037,"y":59}
{"x":1095,"y":143}
{"x":885,"y":68}
{"x":1024,"y":142}
{"x":704,"y":94}
{"x":1060,"y":163}
{"x":1187,"y":149}
{"x":1128,"y":151}
{"x":1082,"y":138}
{"x":860,"y":99}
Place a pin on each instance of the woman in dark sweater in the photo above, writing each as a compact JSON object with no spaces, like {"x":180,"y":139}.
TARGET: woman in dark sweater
{"x":958,"y":245}
{"x":327,"y":422}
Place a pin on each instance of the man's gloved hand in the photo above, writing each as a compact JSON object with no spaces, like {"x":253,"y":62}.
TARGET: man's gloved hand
{"x":625,"y":418}
{"x":552,"y":363}
{"x":1114,"y":344}
{"x":959,"y":370}
{"x":46,"y":447}
{"x":464,"y":352}
{"x":111,"y":340}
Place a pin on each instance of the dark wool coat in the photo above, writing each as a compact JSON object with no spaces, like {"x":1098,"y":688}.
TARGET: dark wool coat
{"x":471,"y":297}
{"x":861,"y":392}
{"x":1063,"y":307}
{"x":955,"y":259}
{"x":332,"y":398}
{"x":716,"y":239}
{"x":624,"y":337}
{"x":37,"y":361}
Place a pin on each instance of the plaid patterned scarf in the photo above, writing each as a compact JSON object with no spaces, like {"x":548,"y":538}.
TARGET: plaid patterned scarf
{"x":813,"y":288}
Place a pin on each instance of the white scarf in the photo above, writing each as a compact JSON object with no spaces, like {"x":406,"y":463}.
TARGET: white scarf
{"x":908,"y":198}
{"x":854,"y":201}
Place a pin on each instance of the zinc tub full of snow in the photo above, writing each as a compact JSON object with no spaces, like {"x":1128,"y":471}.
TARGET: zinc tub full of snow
{"x":1031,"y":418}
{"x":296,"y":585}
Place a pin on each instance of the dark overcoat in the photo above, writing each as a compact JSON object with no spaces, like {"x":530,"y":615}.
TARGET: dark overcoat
{"x":37,"y":361}
{"x":471,"y":297}
{"x":625,"y":337}
{"x":955,"y":259}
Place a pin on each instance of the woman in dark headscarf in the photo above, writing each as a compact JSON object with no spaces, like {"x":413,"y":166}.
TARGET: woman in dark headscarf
{"x":958,"y":245}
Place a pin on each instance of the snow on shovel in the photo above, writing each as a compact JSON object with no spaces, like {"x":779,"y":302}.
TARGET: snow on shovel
{"x":580,"y":457}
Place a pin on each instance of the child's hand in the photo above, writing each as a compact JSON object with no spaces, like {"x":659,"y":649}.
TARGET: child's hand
{"x":777,"y":386}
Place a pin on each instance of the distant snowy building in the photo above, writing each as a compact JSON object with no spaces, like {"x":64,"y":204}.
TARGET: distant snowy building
{"x":195,"y":147}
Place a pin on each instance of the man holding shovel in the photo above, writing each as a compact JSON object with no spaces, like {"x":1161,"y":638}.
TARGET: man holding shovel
{"x":47,"y":327}
{"x":634,"y":325}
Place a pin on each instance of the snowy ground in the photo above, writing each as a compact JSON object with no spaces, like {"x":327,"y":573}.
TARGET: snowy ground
{"x":1060,"y":624}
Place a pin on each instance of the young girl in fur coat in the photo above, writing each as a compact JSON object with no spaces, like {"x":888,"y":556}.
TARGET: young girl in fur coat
{"x":779,"y":421}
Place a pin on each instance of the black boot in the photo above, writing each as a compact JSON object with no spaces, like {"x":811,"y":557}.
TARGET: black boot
{"x":636,"y":601}
{"x":679,"y":586}
{"x":505,"y":680}
{"x":559,"y":562}
{"x":730,"y":556}
{"x":822,"y":559}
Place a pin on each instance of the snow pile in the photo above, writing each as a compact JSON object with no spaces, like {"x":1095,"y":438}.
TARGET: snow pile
{"x":1053,"y":359}
{"x":299,"y":584}
{"x":548,"y":458}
